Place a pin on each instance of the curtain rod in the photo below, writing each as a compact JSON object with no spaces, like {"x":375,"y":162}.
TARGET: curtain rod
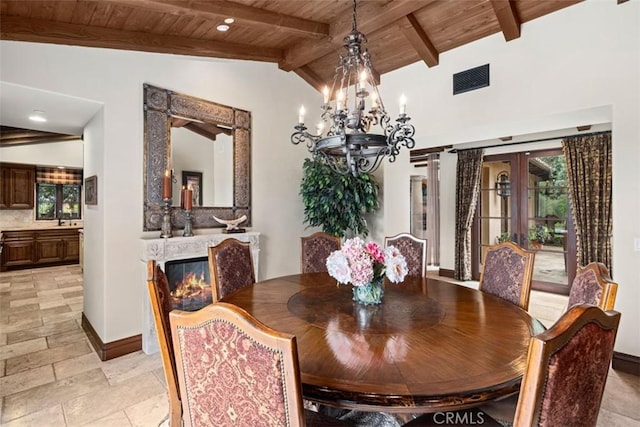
{"x":533,"y":140}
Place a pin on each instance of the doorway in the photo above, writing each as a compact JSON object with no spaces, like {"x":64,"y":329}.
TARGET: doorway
{"x":524,"y":199}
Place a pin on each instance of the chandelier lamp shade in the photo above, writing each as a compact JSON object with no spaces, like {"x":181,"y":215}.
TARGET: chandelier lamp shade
{"x":355,"y":131}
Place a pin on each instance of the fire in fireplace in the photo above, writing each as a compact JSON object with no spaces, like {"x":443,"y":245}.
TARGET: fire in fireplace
{"x":189,"y":283}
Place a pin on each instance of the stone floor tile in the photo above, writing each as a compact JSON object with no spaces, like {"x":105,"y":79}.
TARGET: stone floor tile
{"x":72,"y":294}
{"x":618,"y":390}
{"x":44,"y":285}
{"x":74,"y":335}
{"x":76,"y":365}
{"x":117,"y":419}
{"x":611,"y":419}
{"x":35,"y":314}
{"x":20,"y":294}
{"x":51,"y":416}
{"x":15,"y":383}
{"x":19,"y":286}
{"x":19,"y":325}
{"x":44,"y":396}
{"x":69,"y":284}
{"x":3,"y":339}
{"x":43,"y":357}
{"x":42,"y":331}
{"x":2,"y":367}
{"x":94,"y":406}
{"x":23,"y":302}
{"x":62,"y":317}
{"x":150,"y":412}
{"x":130,"y":365}
{"x":18,"y":349}
{"x":159,"y":373}
{"x":59,"y":302}
{"x":12,"y":310}
{"x":74,"y":300}
{"x":77,"y":307}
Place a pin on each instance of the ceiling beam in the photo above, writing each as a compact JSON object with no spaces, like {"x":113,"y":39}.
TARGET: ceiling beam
{"x":416,"y":35}
{"x":208,"y":10}
{"x":371,"y":17}
{"x":507,"y":18}
{"x":42,"y":31}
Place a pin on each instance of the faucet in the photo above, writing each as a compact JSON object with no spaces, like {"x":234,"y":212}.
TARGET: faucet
{"x":60,"y":221}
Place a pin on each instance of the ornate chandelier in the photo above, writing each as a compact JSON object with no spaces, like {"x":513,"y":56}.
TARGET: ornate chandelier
{"x":343,"y":136}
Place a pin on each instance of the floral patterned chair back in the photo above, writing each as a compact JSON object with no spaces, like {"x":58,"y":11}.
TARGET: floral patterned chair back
{"x":159,"y":294}
{"x":315,"y":250}
{"x":592,"y":285}
{"x":414,"y":251}
{"x":230,"y":267}
{"x":507,"y":271}
{"x":235,"y":371}
{"x":567,"y":368}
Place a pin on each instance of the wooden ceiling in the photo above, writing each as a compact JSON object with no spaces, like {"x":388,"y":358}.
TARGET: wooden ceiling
{"x":303,"y":36}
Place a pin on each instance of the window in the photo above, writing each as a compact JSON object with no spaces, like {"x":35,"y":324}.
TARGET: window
{"x":57,"y":201}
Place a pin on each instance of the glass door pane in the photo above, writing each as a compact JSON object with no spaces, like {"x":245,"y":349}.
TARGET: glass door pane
{"x":547,"y":210}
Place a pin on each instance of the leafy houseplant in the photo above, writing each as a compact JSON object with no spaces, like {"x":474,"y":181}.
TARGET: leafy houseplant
{"x":335,"y":202}
{"x":538,"y":234}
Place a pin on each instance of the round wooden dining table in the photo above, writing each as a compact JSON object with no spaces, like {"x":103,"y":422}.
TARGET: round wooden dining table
{"x":430,"y":346}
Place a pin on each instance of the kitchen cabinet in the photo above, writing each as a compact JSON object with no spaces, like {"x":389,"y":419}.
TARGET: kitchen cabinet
{"x":17,"y":186}
{"x":33,"y":248}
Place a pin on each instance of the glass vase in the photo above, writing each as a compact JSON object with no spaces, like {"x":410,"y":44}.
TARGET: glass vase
{"x":369,"y":294}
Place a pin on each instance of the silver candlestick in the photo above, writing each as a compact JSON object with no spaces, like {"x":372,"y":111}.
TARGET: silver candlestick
{"x":188,"y":230}
{"x":166,"y":231}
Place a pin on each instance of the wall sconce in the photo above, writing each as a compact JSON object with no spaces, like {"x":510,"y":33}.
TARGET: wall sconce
{"x":503,"y":185}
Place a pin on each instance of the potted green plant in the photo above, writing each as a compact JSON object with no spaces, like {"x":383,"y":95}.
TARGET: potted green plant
{"x":335,"y":202}
{"x":538,"y":234}
{"x":503,"y":237}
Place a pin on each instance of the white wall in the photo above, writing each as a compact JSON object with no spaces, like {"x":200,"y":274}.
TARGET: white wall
{"x":66,"y":153}
{"x":576,"y":66}
{"x":114,"y":148}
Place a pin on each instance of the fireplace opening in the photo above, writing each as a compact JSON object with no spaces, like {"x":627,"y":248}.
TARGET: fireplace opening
{"x":189,"y":283}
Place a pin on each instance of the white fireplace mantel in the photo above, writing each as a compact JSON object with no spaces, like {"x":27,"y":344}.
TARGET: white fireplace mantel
{"x":177,"y":248}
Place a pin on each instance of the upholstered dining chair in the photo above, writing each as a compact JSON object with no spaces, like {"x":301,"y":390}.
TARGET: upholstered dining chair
{"x":567,"y":368}
{"x":592,"y":285}
{"x":315,"y":250}
{"x":230,"y":267}
{"x":235,"y":371}
{"x":158,"y":287}
{"x":413,"y":249}
{"x":507,"y":271}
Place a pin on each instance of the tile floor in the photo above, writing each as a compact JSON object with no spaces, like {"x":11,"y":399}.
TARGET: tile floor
{"x":50,"y":375}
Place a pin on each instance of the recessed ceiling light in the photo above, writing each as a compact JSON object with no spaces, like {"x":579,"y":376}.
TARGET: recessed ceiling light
{"x":222,"y":27}
{"x":229,"y":21}
{"x":60,"y":167}
{"x":37,"y":116}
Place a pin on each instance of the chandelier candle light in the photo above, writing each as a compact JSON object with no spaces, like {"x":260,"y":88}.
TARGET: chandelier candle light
{"x":343,"y":137}
{"x":365,"y":265}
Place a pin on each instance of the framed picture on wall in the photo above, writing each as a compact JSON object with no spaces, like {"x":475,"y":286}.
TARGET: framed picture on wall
{"x":193,"y":181}
{"x":91,"y":190}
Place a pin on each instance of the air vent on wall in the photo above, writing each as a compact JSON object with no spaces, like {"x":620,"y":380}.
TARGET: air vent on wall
{"x":471,"y":79}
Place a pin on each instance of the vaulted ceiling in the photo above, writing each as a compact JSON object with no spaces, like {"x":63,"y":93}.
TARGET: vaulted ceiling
{"x":303,"y":36}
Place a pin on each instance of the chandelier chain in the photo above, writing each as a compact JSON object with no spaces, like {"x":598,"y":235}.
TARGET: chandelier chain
{"x":355,"y":21}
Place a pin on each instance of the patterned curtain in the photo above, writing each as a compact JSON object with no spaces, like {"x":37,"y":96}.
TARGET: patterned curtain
{"x":589,"y":173}
{"x":468,"y":172}
{"x":45,"y":175}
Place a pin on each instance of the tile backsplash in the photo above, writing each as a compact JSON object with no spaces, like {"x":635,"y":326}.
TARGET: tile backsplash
{"x":25,"y":218}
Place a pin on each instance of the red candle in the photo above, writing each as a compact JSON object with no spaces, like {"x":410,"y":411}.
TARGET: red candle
{"x":166,"y":185}
{"x":184,"y":189}
{"x":188,"y":200}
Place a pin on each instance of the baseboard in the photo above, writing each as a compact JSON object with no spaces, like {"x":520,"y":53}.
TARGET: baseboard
{"x":113,"y":349}
{"x":626,"y":363}
{"x":446,"y":273}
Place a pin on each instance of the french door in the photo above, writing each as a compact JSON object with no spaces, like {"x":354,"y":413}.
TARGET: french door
{"x":524,"y":199}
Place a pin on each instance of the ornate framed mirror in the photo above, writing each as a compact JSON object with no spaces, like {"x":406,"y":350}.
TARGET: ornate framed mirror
{"x":164,"y":110}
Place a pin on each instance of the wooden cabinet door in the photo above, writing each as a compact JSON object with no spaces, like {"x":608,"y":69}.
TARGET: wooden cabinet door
{"x":4,"y":191}
{"x":17,"y":253}
{"x":71,"y":248}
{"x":48,"y":250}
{"x":21,"y":186}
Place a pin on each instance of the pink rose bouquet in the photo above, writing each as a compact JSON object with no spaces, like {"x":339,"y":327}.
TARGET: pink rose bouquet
{"x":361,"y":263}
